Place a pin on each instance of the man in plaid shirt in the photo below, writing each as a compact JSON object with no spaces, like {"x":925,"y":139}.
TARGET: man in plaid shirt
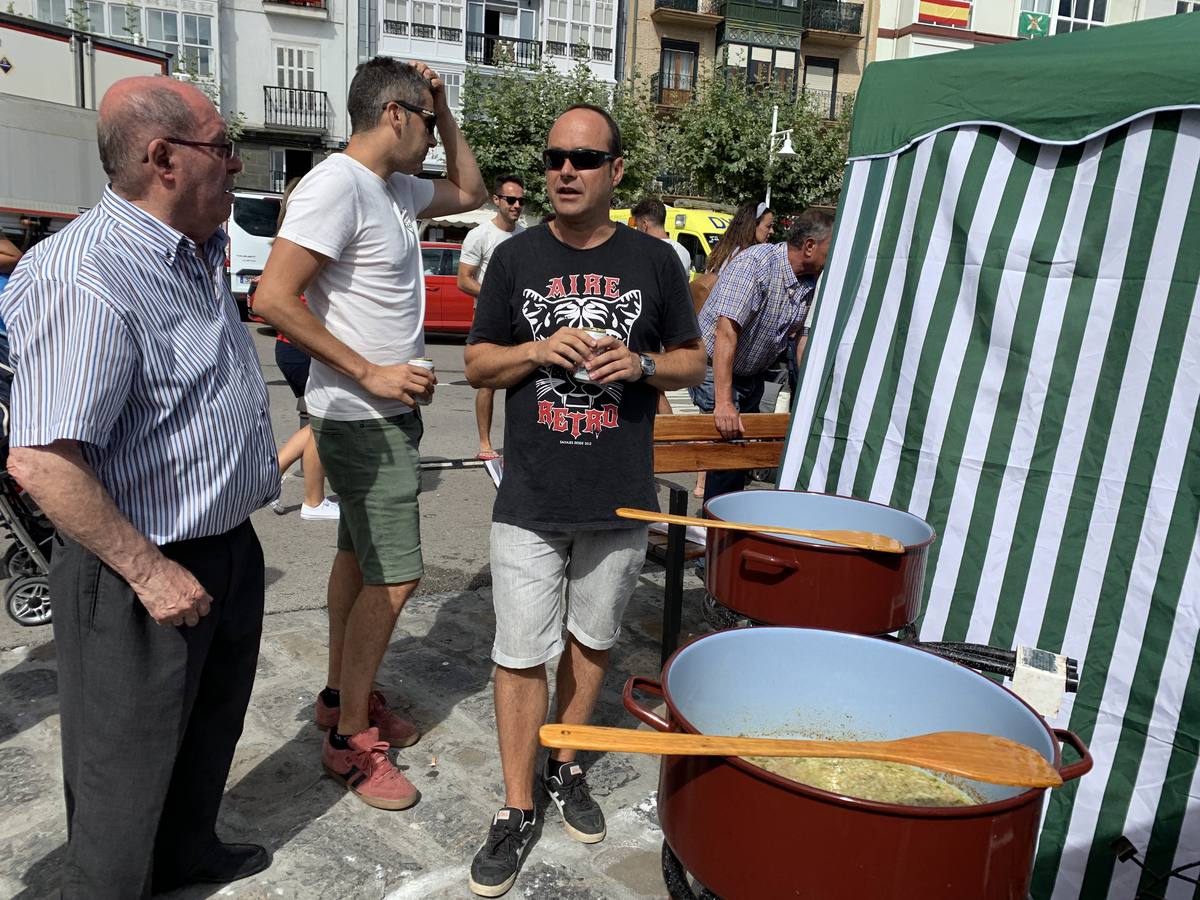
{"x":756,"y":310}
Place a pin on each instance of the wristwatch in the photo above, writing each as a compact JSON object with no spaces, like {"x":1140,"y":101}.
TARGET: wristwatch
{"x":648,"y":367}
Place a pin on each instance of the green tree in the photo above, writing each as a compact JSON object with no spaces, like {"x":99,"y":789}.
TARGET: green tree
{"x":508,"y":113}
{"x":719,"y":141}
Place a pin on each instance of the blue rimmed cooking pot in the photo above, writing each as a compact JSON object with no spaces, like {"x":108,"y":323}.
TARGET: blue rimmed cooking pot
{"x":746,"y":833}
{"x":785,"y":580}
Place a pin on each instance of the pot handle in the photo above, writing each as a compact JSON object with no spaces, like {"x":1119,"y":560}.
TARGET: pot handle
{"x":752,"y":559}
{"x":639,"y":682}
{"x":1074,"y":770}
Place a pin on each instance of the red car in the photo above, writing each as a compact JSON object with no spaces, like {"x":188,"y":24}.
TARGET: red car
{"x":447,"y":309}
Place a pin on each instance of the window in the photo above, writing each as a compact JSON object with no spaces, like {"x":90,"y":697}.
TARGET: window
{"x":431,"y":260}
{"x":453,"y":83}
{"x":450,"y":15}
{"x":556,"y":24}
{"x":95,"y":16}
{"x":424,"y":13}
{"x":124,"y":21}
{"x":1079,"y":15}
{"x":296,"y":67}
{"x":580,"y":16}
{"x":53,"y":11}
{"x":395,"y":10}
{"x":1186,"y":6}
{"x":820,"y":85}
{"x":162,"y":30}
{"x":197,"y":53}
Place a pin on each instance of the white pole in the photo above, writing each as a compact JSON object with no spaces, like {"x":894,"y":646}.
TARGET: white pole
{"x":771,"y":149}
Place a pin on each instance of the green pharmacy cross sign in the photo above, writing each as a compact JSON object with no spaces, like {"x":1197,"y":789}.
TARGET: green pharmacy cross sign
{"x":1033,"y":24}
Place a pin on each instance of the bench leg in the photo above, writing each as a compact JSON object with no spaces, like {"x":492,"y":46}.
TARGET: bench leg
{"x":673,"y":582}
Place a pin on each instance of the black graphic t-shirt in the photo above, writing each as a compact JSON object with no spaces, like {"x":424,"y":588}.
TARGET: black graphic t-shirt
{"x":575,"y":451}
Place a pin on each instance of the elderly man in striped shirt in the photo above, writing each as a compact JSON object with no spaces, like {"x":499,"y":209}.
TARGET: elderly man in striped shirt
{"x":755,"y":312}
{"x":140,"y":426}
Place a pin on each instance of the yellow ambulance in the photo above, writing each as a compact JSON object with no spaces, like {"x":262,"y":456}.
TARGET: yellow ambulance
{"x":697,"y":229}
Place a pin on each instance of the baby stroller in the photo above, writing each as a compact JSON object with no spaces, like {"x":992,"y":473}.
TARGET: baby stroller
{"x":27,"y":560}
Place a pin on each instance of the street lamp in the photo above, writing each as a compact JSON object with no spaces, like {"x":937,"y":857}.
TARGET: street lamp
{"x":785,"y":149}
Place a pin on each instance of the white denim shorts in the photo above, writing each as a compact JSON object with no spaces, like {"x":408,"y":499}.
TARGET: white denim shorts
{"x":535,"y":574}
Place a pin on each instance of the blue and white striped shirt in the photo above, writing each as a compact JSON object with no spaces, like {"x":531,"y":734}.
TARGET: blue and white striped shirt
{"x":126,"y":340}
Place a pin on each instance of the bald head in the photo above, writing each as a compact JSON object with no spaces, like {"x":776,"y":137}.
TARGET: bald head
{"x":134,"y":112}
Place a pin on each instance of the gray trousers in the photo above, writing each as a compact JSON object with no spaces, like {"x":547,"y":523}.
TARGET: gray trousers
{"x":150,"y":714}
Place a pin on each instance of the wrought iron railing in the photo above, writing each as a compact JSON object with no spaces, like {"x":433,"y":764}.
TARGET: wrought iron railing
{"x":672,"y":89}
{"x":454,"y":35}
{"x":827,"y":104}
{"x":296,"y":108}
{"x":393,"y":26}
{"x":556,"y":48}
{"x":602,"y":54}
{"x":494,"y":49}
{"x":423,"y":31}
{"x":308,"y":4}
{"x":833,"y":15}
{"x":707,"y":7}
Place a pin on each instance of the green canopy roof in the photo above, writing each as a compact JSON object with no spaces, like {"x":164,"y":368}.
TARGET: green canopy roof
{"x":1061,"y":89}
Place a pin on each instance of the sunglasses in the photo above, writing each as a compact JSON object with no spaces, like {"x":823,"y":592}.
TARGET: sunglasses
{"x":511,"y":201}
{"x":227,"y":149}
{"x":429,"y":117}
{"x":581,"y":158}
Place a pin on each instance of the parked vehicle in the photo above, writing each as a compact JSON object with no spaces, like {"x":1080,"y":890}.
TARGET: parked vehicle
{"x":251,"y":228}
{"x":447,"y":309}
{"x":697,"y":229}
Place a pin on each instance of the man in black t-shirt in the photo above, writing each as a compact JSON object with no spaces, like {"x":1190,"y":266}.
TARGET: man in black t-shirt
{"x":583,"y":322}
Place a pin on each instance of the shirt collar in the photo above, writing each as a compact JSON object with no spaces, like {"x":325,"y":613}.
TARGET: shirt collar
{"x":790,"y":281}
{"x":156,"y":234}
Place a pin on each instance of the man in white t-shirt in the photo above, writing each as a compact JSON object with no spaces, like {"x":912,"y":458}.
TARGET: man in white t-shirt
{"x":509,"y":197}
{"x":650,"y":216}
{"x":349,"y":244}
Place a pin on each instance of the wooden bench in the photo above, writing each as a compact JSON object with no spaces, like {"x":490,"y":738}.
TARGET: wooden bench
{"x":692,"y":443}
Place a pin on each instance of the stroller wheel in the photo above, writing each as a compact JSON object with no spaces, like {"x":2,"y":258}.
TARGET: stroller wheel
{"x":18,"y":561}
{"x":27,"y":598}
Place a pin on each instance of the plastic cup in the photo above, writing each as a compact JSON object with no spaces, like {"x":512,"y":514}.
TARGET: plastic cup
{"x":581,"y":373}
{"x":425,"y":363}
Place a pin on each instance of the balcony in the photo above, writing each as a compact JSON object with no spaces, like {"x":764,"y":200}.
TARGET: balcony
{"x":832,"y":21}
{"x":827,"y":104}
{"x":305,"y":9}
{"x":394,"y":26}
{"x":702,"y":13}
{"x":451,"y":35}
{"x":495,"y":50}
{"x":429,"y":32}
{"x":556,"y":48}
{"x":671,"y":90}
{"x":295,"y":109}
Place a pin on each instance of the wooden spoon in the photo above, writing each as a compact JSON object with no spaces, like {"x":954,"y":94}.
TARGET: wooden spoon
{"x":862,"y":540}
{"x":981,"y":757}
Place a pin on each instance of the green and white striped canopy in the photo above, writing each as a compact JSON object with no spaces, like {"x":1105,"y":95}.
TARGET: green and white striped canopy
{"x":1007,"y":343}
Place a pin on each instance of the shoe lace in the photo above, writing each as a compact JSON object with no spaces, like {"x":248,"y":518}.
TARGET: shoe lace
{"x":503,"y":840}
{"x":575,"y":790}
{"x":376,"y":759}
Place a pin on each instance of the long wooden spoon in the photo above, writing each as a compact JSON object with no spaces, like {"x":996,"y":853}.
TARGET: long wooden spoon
{"x":982,"y":757}
{"x":863,"y":540}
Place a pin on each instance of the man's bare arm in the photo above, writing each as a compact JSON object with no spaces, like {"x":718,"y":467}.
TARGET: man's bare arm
{"x":678,"y":366}
{"x":9,"y":256}
{"x":67,"y":490}
{"x":500,"y":366}
{"x":468,"y":283}
{"x":725,"y":412}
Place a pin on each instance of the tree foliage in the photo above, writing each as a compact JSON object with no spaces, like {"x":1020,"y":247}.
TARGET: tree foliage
{"x":719,"y":142}
{"x":507,"y":115}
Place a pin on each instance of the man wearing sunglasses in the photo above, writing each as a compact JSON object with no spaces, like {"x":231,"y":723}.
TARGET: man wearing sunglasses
{"x":140,"y":424}
{"x":578,"y":441}
{"x":509,"y":197}
{"x":349,"y":244}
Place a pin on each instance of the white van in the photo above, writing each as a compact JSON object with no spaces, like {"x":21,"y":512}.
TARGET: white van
{"x":251,"y":228}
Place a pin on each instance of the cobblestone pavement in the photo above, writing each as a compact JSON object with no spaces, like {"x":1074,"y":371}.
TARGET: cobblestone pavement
{"x":327,"y":844}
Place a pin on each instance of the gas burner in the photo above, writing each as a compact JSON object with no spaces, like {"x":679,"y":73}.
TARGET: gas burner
{"x":677,"y":881}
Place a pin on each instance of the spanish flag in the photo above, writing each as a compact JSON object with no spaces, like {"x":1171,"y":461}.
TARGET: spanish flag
{"x":945,"y":12}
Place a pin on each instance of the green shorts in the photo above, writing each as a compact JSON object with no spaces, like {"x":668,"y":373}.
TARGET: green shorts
{"x":373,"y":465}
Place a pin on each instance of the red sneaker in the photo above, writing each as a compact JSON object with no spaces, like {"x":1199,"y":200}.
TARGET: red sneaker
{"x":396,"y":731}
{"x":368,"y":772}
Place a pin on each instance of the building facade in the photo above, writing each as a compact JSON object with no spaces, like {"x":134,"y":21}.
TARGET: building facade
{"x":909,"y":28}
{"x":815,"y":49}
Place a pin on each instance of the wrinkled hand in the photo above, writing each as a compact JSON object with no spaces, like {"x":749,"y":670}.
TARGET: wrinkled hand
{"x":567,"y":347}
{"x":172,"y":595}
{"x":727,"y":419}
{"x":436,"y":85}
{"x":401,"y":382}
{"x":613,"y":361}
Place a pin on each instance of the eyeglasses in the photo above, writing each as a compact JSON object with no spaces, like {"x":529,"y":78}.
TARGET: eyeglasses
{"x":429,"y":117}
{"x":227,"y":149}
{"x":581,"y":158}
{"x":511,"y":201}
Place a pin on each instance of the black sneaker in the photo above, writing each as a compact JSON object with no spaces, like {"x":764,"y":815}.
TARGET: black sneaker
{"x":494,"y":868}
{"x":581,"y":814}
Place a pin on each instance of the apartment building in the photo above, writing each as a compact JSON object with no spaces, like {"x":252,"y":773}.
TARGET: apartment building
{"x":910,"y":28}
{"x":813,"y":48}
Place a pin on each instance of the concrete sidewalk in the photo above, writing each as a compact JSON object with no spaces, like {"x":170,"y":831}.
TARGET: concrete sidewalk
{"x":328,"y":844}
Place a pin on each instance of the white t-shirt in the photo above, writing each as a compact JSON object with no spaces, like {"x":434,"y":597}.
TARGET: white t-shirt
{"x":481,"y":241}
{"x":685,"y":258}
{"x":371,"y":294}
